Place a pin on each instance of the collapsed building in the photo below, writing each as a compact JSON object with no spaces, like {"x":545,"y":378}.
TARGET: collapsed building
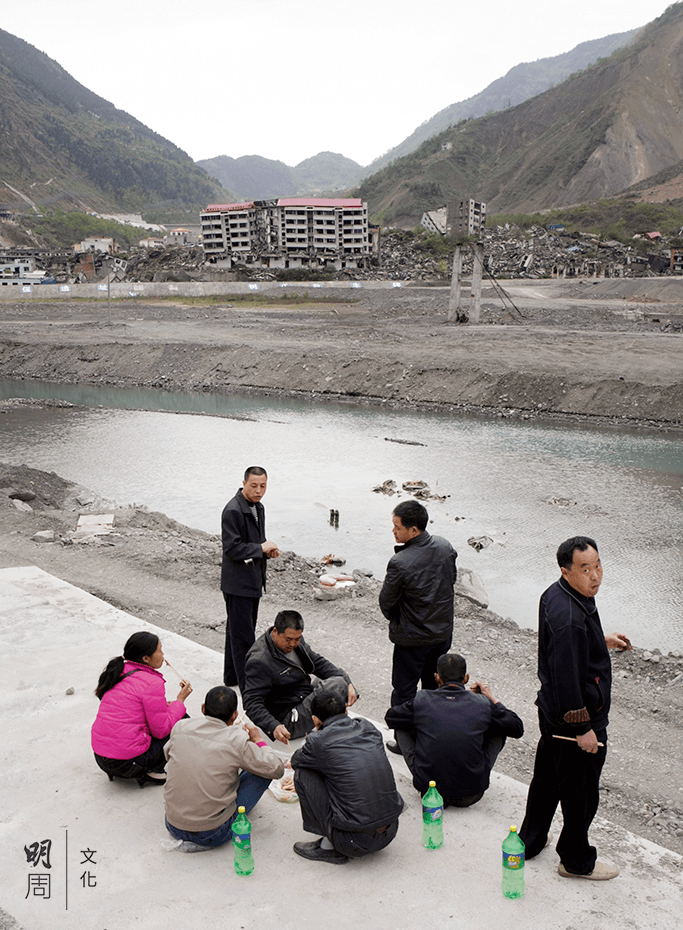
{"x":459,"y":218}
{"x":314,"y":233}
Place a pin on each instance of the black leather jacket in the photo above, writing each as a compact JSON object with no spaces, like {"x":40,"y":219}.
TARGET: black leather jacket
{"x":417,"y":594}
{"x":244,"y":562}
{"x":275,"y":683}
{"x":349,"y":754}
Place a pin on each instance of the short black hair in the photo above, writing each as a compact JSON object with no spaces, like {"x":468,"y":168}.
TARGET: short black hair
{"x":254,"y":470}
{"x":326,"y":705}
{"x":288,"y":620}
{"x":565,"y":554}
{"x":220,"y":702}
{"x":451,"y":667}
{"x":412,"y":513}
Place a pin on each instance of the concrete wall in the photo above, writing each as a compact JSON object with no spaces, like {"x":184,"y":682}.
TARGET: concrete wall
{"x":129,"y":289}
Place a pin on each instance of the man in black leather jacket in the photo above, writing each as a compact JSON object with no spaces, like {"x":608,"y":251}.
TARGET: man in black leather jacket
{"x":345,"y":785}
{"x":417,"y":600}
{"x":243,"y":572}
{"x":278,"y":688}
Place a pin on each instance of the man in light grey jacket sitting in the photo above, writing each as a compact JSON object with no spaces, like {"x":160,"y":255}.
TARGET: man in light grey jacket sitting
{"x":213,"y":768}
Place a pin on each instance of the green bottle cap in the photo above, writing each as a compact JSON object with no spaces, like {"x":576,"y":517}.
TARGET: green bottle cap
{"x":513,"y":829}
{"x":432,"y":784}
{"x":240,"y":810}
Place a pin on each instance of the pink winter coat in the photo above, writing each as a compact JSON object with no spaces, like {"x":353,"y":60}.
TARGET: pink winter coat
{"x":132,"y":712}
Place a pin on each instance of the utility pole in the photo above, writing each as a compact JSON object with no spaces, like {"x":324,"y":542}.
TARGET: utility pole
{"x":454,"y":299}
{"x":477,"y":272}
{"x":457,"y":311}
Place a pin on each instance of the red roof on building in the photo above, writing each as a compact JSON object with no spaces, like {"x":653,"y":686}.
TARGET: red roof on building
{"x":320,"y":202}
{"x":224,"y":207}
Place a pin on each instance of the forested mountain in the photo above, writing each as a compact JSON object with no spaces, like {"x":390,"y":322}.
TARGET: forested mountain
{"x":596,"y":134}
{"x":61,"y":145}
{"x":255,"y":178}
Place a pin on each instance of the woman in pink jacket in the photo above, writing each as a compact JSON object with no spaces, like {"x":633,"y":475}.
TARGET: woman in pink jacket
{"x":134,"y":719}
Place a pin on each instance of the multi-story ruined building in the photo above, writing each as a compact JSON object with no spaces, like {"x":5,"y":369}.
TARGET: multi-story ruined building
{"x":466,"y":217}
{"x":298,"y":232}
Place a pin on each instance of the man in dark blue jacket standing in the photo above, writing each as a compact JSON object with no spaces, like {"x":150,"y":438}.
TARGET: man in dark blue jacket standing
{"x":573,"y":702}
{"x":417,"y":600}
{"x":243,"y":575}
{"x":453,"y":735}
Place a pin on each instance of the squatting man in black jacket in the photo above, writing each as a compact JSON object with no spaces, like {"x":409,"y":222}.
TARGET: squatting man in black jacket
{"x":278,"y":688}
{"x":345,"y":785}
{"x":453,"y":735}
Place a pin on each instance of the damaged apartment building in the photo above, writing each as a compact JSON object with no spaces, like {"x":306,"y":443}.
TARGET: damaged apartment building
{"x":304,"y":232}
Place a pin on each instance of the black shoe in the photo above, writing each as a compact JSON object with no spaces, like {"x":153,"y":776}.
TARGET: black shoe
{"x":148,"y":780}
{"x":393,"y":746}
{"x":313,"y":851}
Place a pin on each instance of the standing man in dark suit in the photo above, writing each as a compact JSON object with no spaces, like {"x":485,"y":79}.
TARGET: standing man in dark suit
{"x":243,"y":575}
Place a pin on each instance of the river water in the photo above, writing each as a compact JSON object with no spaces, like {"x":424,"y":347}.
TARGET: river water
{"x":527,"y":486}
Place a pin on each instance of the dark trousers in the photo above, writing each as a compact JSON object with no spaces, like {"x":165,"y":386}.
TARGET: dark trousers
{"x":240,"y":627}
{"x":564,"y":774}
{"x":492,"y":748}
{"x":151,"y":760}
{"x":411,"y":664}
{"x":316,"y":813}
{"x":299,"y":721}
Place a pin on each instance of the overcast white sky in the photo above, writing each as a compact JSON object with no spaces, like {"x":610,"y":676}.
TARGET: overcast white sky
{"x":287,"y":79}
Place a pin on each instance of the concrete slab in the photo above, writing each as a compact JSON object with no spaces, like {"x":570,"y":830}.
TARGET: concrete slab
{"x":108,"y":868}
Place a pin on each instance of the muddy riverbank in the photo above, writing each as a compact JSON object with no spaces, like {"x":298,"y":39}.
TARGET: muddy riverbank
{"x":555,"y":355}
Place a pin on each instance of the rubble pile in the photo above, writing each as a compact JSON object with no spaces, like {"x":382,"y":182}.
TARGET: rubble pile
{"x":538,"y":252}
{"x":508,"y":252}
{"x":419,"y":489}
{"x":178,"y":263}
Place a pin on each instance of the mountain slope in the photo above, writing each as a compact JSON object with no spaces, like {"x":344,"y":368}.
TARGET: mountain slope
{"x":61,"y":144}
{"x":255,"y":178}
{"x":597,"y":133}
{"x":522,"y":82}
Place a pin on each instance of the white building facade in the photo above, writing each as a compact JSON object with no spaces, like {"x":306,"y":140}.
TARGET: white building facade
{"x":295,"y":232}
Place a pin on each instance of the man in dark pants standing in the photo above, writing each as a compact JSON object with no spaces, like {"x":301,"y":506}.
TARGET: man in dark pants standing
{"x":417,"y":600}
{"x":243,"y":575}
{"x":573,"y":702}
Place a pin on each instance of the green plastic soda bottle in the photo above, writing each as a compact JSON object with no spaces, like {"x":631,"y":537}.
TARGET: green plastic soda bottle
{"x":432,"y":818}
{"x":241,"y":843}
{"x":513,"y":865}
